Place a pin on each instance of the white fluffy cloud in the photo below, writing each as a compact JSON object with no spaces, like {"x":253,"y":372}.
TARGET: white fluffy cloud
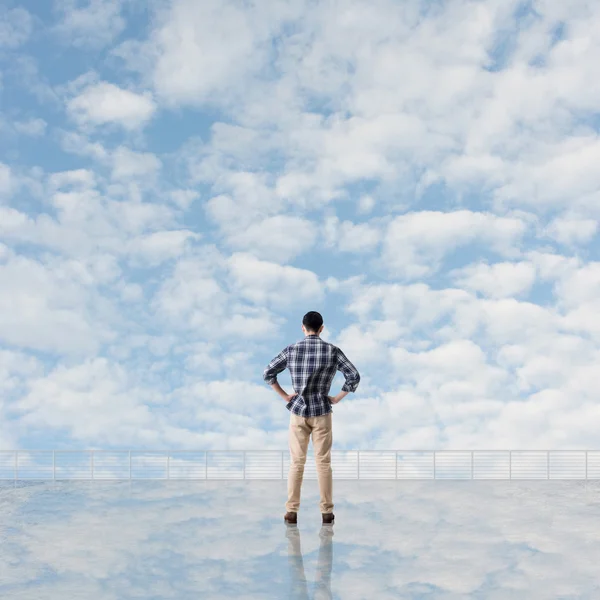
{"x":279,"y":238}
{"x":192,"y":65}
{"x":16,"y":26}
{"x":455,"y":372}
{"x":155,"y":248}
{"x":346,"y":236}
{"x":94,"y":24}
{"x":104,"y":102}
{"x":415,"y":243}
{"x":571,"y":231}
{"x":96,"y":401}
{"x":5,"y":180}
{"x":272,"y":284}
{"x":128,"y":164}
{"x":86,"y":223}
{"x":47,"y":309}
{"x":32,"y":127}
{"x":499,"y":280}
{"x":194,"y":299}
{"x":579,"y":286}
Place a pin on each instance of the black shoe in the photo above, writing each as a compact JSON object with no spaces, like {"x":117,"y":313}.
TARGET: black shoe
{"x":290,"y":517}
{"x":328,"y":518}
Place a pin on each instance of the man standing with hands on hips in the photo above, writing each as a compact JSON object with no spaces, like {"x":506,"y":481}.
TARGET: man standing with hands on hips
{"x":313,"y":364}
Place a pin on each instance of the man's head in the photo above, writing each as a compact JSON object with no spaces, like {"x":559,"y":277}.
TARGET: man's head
{"x":312,"y":323}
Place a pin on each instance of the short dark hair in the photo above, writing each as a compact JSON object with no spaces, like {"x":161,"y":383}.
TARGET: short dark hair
{"x":312,"y":321}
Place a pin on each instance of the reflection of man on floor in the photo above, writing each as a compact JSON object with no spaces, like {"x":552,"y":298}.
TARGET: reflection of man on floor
{"x":298,"y":586}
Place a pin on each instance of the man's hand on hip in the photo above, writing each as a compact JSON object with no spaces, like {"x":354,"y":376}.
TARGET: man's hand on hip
{"x":336,"y":399}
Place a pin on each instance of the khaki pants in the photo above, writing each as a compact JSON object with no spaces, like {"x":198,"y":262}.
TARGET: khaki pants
{"x":300,"y":431}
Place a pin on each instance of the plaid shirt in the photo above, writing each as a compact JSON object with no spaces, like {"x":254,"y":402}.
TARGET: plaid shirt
{"x":312,"y":364}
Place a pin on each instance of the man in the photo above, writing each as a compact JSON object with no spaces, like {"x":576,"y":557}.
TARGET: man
{"x":312,"y":364}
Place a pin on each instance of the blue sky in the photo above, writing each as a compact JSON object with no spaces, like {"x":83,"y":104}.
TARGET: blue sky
{"x":180,"y":182}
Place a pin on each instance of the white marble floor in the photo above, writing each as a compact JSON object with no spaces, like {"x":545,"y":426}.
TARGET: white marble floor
{"x":227,"y":539}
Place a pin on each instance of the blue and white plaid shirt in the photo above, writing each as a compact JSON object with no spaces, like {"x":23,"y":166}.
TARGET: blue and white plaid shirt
{"x":312,"y":364}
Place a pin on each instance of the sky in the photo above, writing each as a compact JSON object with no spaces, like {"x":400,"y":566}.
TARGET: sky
{"x":421,"y":540}
{"x":181,"y":181}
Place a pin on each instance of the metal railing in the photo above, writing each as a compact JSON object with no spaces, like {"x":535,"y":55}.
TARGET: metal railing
{"x":274,"y":464}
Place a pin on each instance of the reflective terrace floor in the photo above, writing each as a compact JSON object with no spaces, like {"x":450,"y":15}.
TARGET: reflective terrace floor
{"x":227,"y":539}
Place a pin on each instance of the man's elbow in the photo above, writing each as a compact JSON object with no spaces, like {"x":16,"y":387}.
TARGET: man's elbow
{"x":269,"y":379}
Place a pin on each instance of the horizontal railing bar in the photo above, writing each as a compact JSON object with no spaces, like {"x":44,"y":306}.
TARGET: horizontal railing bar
{"x":286,"y":450}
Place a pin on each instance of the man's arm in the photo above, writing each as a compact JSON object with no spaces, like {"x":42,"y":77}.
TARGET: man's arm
{"x":277,"y":365}
{"x":350,"y":373}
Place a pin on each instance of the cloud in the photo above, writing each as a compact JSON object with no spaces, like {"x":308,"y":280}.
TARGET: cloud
{"x":366,"y":204}
{"x":127,"y":164}
{"x":415,"y":244}
{"x":77,"y":178}
{"x":571,"y":231}
{"x":195,"y":297}
{"x":94,"y":400}
{"x":5,"y":181}
{"x":104,"y":102}
{"x":192,"y":66}
{"x":280,"y":238}
{"x":32,"y":127}
{"x":350,"y":237}
{"x":579,"y":286}
{"x":94,"y":25}
{"x":15,"y":370}
{"x":82,"y":223}
{"x":499,"y":280}
{"x":16,"y":26}
{"x":45,"y":308}
{"x":455,"y":372}
{"x":160,"y":246}
{"x":270,"y":284}
{"x":558,"y":174}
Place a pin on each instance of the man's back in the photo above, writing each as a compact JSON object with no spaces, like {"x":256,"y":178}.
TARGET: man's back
{"x":313,"y":364}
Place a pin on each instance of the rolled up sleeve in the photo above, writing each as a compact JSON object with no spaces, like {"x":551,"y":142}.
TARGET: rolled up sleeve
{"x":278,"y":364}
{"x":349,"y":371}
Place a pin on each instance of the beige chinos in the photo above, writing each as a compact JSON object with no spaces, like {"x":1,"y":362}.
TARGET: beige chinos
{"x":300,"y":432}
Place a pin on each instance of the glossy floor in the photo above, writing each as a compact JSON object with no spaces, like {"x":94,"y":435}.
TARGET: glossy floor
{"x":227,"y":539}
